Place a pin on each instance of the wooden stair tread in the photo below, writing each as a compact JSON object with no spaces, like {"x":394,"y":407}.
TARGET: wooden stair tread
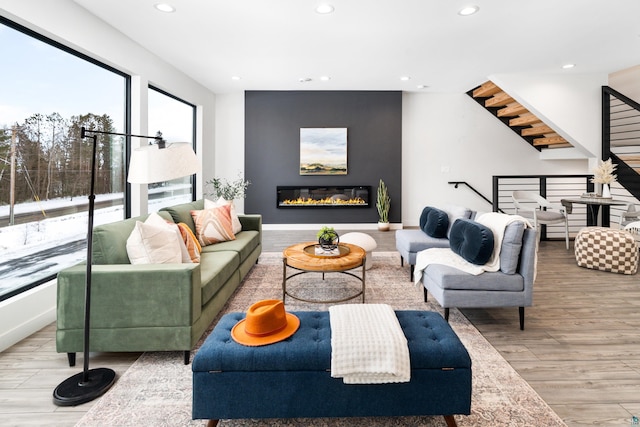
{"x":512,"y":110}
{"x":629,"y":158}
{"x":518,"y":117}
{"x":486,"y":89}
{"x":499,"y":100}
{"x":536,"y":130}
{"x":551,"y":140}
{"x":524,"y":120}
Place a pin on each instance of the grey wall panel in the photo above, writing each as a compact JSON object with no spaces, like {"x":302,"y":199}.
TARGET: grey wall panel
{"x":272,"y":149}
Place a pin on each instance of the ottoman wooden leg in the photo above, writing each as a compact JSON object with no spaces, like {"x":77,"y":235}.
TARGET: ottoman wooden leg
{"x":214,"y":423}
{"x":451,"y":422}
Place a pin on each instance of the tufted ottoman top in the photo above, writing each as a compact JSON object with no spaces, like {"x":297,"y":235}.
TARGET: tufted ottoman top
{"x":432,"y":345}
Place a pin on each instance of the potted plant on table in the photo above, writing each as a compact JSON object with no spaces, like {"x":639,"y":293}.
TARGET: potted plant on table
{"x":328,"y":238}
{"x":383,"y":203}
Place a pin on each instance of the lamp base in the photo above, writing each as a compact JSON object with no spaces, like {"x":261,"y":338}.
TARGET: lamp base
{"x":74,"y":391}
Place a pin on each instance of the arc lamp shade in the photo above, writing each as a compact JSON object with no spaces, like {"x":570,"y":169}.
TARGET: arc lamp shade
{"x":151,"y":163}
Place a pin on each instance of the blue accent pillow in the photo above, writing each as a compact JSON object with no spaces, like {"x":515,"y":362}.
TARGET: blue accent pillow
{"x":472,"y":241}
{"x":434,"y":222}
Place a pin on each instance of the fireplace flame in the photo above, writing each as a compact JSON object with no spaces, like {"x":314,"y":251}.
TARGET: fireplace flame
{"x":326,"y":201}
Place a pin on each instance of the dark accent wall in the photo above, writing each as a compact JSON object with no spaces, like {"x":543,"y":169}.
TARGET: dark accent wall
{"x":272,"y":149}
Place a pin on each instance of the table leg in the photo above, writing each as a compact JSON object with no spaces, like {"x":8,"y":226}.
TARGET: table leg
{"x":364,"y":262}
{"x":592,"y":214}
{"x":284,"y":278}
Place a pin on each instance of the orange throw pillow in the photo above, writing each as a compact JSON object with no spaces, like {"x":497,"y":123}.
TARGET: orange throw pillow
{"x":190,"y":241}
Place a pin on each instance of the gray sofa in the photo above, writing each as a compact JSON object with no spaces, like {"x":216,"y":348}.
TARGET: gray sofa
{"x":454,"y":288}
{"x":151,"y":307}
{"x":410,"y":241}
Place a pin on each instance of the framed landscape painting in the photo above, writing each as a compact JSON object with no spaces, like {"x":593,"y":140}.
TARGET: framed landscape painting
{"x":323,"y":151}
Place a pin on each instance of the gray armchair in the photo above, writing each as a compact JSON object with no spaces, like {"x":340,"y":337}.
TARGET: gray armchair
{"x":454,"y":288}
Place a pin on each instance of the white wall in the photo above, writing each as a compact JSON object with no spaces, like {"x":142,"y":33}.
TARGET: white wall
{"x":69,"y":24}
{"x":569,"y":103}
{"x":627,"y":82}
{"x":229,"y":153}
{"x":449,"y":137}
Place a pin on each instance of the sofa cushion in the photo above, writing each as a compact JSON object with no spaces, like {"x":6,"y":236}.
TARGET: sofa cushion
{"x":213,"y":225}
{"x":244,"y":244}
{"x":447,"y":277}
{"x":215,"y":269}
{"x":182,"y":213}
{"x":511,"y":245}
{"x":110,"y":240}
{"x":472,"y":241}
{"x":154,"y":241}
{"x":434,"y":222}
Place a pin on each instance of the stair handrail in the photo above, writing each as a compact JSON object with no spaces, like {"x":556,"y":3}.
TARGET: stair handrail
{"x":627,"y":177}
{"x":457,"y":183}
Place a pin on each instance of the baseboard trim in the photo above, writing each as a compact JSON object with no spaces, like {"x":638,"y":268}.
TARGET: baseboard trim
{"x":285,"y":227}
{"x":26,"y":313}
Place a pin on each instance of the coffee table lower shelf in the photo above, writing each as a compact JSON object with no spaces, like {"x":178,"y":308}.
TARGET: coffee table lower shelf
{"x":296,"y":258}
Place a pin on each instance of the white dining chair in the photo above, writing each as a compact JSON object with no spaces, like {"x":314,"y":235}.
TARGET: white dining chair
{"x":544,"y":212}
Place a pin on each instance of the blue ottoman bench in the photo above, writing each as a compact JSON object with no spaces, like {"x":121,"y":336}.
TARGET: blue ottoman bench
{"x":292,"y":378}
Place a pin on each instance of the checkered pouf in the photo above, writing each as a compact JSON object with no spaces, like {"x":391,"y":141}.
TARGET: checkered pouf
{"x":606,"y":249}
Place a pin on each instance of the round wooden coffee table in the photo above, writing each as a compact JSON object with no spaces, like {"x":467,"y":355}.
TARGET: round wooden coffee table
{"x":303,"y":257}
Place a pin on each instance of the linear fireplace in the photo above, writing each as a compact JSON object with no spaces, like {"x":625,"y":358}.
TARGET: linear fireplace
{"x":321,"y":197}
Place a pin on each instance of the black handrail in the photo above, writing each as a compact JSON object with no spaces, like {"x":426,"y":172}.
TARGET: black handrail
{"x":627,"y":176}
{"x":457,"y":183}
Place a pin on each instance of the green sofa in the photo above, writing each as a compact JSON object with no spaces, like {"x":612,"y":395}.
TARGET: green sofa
{"x":151,"y":307}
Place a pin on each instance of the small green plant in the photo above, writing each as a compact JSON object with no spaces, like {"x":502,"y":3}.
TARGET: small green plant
{"x":383,"y":202}
{"x":327,"y":234}
{"x":228,"y":190}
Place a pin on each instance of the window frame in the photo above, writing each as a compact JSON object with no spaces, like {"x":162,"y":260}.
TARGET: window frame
{"x":127,"y":127}
{"x":193,"y":130}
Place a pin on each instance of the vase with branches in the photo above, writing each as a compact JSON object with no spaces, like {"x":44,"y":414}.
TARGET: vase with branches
{"x":604,"y":174}
{"x":227,"y":189}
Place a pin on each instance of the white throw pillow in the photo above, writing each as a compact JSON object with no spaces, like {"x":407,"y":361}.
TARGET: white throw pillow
{"x":158,"y":221}
{"x":154,"y":242}
{"x":235,"y":221}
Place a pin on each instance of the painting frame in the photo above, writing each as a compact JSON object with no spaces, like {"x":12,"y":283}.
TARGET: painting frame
{"x":323,"y":151}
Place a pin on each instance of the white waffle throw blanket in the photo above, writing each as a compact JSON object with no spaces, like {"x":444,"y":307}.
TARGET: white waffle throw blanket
{"x":368,"y":345}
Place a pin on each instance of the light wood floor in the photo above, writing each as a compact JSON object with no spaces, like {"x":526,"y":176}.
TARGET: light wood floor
{"x":580,"y":349}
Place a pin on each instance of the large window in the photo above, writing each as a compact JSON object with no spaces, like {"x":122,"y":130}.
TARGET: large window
{"x":175,"y":119}
{"x":47,"y":93}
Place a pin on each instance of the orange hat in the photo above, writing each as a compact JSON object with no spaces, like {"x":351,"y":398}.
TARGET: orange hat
{"x":266,"y":322}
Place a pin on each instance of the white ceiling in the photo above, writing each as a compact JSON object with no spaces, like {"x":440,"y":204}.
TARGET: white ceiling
{"x":370,"y":44}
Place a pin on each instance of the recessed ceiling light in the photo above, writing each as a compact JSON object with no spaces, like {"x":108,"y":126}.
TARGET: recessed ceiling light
{"x":165,"y":7}
{"x":469,"y":10}
{"x":236,"y":78}
{"x":422,"y":86}
{"x":325,"y":8}
{"x":304,"y":79}
{"x":405,"y":78}
{"x":325,"y":78}
{"x":567,"y":66}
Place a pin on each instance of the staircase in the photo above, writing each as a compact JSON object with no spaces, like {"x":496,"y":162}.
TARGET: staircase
{"x":513,"y":114}
{"x":621,"y":137}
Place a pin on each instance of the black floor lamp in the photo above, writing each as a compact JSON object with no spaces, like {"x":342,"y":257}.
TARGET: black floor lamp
{"x":156,"y":162}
